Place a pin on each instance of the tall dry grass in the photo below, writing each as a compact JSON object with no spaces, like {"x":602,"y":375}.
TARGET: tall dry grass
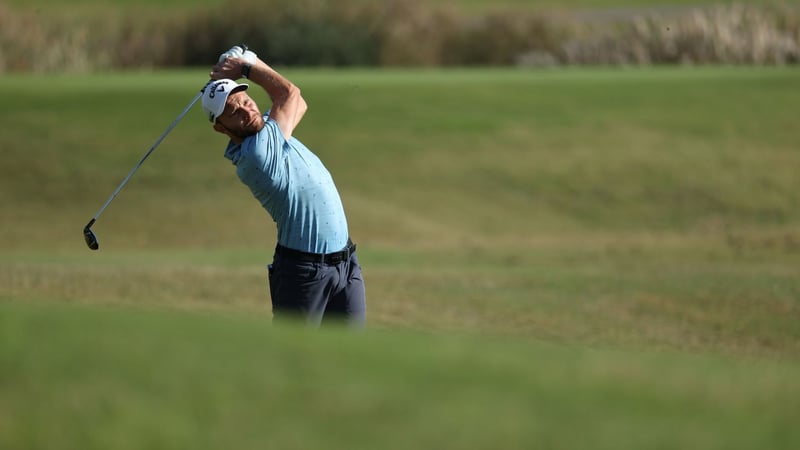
{"x":727,"y":34}
{"x":399,"y":33}
{"x":33,"y":42}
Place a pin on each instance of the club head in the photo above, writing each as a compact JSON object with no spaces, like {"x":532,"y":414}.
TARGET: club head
{"x":88,"y":235}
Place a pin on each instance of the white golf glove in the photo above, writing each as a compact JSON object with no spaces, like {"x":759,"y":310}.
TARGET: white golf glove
{"x":249,"y":57}
{"x":238,"y":52}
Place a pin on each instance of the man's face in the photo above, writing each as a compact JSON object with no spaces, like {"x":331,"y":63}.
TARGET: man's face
{"x":241,"y":117}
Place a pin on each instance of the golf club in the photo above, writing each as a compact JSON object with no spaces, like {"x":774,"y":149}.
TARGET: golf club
{"x":88,"y":234}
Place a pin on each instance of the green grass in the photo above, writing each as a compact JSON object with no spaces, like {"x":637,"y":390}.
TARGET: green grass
{"x":111,"y":378}
{"x":606,"y":250}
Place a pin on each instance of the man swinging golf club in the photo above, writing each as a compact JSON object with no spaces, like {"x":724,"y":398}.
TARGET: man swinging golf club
{"x":315,"y":273}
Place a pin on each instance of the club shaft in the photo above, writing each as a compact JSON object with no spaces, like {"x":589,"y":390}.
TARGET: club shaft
{"x":141,"y":161}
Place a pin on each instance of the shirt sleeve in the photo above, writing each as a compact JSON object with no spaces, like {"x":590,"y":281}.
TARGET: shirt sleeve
{"x":264,"y":152}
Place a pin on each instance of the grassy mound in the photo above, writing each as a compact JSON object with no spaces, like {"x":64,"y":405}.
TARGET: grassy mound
{"x":100,"y":378}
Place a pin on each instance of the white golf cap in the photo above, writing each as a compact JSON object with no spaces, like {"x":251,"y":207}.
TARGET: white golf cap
{"x":216,"y":93}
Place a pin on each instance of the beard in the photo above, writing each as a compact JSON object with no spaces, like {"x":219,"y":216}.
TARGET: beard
{"x":249,"y":129}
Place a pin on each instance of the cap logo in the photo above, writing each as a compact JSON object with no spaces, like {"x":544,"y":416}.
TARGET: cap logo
{"x":219,"y":86}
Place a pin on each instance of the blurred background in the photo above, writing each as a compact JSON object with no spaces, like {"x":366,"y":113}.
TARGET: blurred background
{"x":88,"y":35}
{"x":579,"y":223}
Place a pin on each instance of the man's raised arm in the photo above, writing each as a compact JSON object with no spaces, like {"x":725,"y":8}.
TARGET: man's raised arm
{"x":288,"y":105}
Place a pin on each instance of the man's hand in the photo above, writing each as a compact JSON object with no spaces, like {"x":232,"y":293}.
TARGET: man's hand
{"x":249,"y":57}
{"x":232,"y":62}
{"x":235,"y":52}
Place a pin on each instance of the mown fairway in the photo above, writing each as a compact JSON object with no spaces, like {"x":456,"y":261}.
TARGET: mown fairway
{"x":630,"y":239}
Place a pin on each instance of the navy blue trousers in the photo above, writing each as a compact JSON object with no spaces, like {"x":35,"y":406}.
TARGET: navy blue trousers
{"x":317,"y":292}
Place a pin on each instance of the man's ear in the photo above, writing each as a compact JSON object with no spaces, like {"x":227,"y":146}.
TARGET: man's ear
{"x":218,"y":127}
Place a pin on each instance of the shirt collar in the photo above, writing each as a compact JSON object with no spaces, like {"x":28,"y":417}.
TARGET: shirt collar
{"x":233,"y":152}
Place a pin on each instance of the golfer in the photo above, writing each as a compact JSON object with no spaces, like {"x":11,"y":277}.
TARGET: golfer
{"x":315,"y":273}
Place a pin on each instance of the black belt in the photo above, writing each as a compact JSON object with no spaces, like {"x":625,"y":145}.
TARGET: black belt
{"x":325,"y":258}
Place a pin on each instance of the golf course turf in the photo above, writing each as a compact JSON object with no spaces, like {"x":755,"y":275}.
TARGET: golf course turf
{"x":568,"y":258}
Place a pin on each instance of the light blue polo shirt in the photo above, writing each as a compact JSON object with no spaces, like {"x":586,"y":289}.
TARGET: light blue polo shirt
{"x":295,"y":188}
